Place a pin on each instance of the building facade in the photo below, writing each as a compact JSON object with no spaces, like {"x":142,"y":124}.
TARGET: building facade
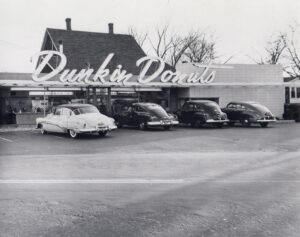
{"x":108,"y":69}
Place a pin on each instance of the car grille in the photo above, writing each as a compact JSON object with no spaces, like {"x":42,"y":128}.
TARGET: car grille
{"x":268,"y":115}
{"x":219,"y":117}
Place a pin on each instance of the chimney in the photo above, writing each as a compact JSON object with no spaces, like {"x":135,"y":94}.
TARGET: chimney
{"x":110,"y":28}
{"x":68,"y":23}
{"x":61,"y":47}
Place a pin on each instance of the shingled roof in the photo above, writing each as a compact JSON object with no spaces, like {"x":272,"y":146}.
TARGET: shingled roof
{"x":84,"y":49}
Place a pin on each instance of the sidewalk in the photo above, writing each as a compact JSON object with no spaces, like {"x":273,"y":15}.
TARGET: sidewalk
{"x":15,"y":127}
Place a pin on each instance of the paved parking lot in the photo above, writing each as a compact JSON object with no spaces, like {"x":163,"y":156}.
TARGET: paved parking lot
{"x":184,"y":182}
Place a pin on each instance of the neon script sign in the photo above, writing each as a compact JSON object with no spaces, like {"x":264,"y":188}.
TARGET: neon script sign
{"x":119,"y":76}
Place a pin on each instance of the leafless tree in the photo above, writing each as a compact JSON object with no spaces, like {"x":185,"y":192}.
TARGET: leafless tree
{"x":292,"y":66}
{"x":172,"y":47}
{"x":273,"y":52}
{"x":179,"y":47}
{"x":163,"y":43}
{"x":202,"y":49}
{"x":140,"y":38}
{"x":275,"y":49}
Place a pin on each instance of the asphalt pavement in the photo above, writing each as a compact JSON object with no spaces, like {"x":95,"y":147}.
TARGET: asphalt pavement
{"x":183,"y":182}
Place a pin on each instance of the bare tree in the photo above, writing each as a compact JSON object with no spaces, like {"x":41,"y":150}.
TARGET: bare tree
{"x":201,"y":50}
{"x":292,"y":66}
{"x":163,"y":44}
{"x":180,"y":46}
{"x":274,"y":50}
{"x":172,"y":47}
{"x":140,"y":38}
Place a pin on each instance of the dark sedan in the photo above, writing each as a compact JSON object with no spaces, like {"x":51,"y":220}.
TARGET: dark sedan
{"x":248,"y":113}
{"x":145,"y":115}
{"x":200,"y":112}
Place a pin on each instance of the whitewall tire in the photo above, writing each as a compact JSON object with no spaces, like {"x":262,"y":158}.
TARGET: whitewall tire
{"x":72,"y":133}
{"x":43,"y":131}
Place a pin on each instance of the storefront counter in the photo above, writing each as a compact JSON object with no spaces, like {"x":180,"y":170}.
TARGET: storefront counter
{"x":27,"y":117}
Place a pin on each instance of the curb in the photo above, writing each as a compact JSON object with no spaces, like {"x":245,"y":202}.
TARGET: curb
{"x":17,"y":128}
{"x":285,"y":121}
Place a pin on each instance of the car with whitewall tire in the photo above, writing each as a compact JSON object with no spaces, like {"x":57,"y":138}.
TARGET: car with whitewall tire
{"x":76,"y":119}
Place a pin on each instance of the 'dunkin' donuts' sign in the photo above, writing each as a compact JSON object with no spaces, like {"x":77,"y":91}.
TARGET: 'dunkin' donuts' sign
{"x":119,"y":76}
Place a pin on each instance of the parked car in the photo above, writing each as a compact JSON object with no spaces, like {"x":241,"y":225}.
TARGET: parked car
{"x":145,"y":115}
{"x":247,"y":113}
{"x":292,"y":111}
{"x":75,"y":119}
{"x":200,"y":112}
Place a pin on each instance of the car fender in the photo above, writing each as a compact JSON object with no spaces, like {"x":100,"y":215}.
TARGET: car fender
{"x":199,"y":116}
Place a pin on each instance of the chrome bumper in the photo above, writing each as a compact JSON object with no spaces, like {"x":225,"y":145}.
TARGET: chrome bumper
{"x":217,"y":121}
{"x":97,"y":129}
{"x":162,"y":123}
{"x":265,"y":120}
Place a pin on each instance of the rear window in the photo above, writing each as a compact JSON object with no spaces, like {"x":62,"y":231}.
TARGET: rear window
{"x":86,"y":110}
{"x":156,"y":109}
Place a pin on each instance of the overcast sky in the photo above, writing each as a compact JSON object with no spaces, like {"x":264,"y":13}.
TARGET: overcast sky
{"x":241,"y":27}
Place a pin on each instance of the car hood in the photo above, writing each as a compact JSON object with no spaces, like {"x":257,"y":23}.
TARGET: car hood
{"x":94,"y":119}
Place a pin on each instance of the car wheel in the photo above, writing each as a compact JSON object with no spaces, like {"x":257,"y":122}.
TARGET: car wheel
{"x":118,"y":124}
{"x":102,"y":133}
{"x":219,"y":125}
{"x":167,"y":127}
{"x":197,"y":124}
{"x":264,"y":125}
{"x":231,"y":124}
{"x":142,"y":126}
{"x":72,"y":133}
{"x":245,"y":122}
{"x":43,"y":131}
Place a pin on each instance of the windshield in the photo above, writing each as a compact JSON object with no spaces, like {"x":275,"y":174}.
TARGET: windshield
{"x":86,"y":110}
{"x":213,"y":107}
{"x":157,"y":110}
{"x":260,"y":108}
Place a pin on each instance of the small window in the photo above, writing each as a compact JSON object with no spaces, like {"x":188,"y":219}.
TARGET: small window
{"x":139,"y":109}
{"x":191,"y":107}
{"x":293,"y":93}
{"x":231,"y":106}
{"x":185,"y":107}
{"x":298,"y":92}
{"x":76,"y":111}
{"x":199,"y":107}
{"x":57,"y":111}
{"x":66,"y":112}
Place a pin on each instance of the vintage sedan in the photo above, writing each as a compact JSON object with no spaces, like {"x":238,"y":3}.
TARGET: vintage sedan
{"x":200,"y":112}
{"x":248,"y":113}
{"x":76,"y":119}
{"x":145,"y":115}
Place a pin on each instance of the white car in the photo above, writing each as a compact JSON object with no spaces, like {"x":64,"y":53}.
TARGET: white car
{"x":75,"y":119}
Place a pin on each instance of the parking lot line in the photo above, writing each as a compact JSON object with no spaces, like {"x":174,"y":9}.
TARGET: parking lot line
{"x":5,"y":139}
{"x":134,"y":181}
{"x":91,"y":181}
